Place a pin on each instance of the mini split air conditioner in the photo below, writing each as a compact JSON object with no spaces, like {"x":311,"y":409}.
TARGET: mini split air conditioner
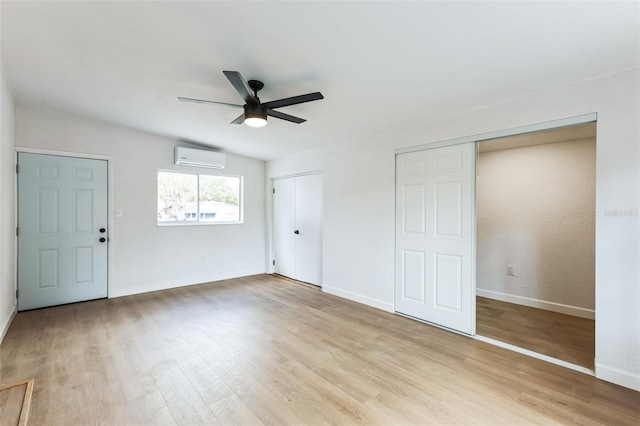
{"x":199,"y":158}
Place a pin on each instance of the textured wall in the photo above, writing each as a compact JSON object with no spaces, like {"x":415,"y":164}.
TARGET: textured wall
{"x":536,"y":212}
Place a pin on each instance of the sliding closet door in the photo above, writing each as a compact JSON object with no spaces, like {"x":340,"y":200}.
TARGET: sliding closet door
{"x":435,"y":236}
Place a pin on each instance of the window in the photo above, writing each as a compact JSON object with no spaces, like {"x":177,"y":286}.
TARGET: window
{"x":195,"y":199}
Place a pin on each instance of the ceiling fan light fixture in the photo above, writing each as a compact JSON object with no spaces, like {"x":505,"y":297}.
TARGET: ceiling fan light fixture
{"x":255,"y":121}
{"x":255,"y":115}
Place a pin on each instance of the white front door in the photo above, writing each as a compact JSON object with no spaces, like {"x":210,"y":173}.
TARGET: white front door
{"x":435,"y":236}
{"x":62,"y":230}
{"x":297,"y":227}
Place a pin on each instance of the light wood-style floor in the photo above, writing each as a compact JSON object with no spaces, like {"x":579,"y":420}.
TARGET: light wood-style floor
{"x":560,"y":336}
{"x":262,"y":350}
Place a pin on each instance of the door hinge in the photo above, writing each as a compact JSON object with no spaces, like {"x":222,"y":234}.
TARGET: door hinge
{"x":17,"y":168}
{"x":16,"y":293}
{"x":17,"y":231}
{"x":274,"y":190}
{"x":274,"y":262}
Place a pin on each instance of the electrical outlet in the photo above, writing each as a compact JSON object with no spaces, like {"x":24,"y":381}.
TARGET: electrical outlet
{"x":510,"y":271}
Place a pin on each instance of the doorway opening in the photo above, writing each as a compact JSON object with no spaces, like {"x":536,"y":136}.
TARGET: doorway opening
{"x":535,"y":250}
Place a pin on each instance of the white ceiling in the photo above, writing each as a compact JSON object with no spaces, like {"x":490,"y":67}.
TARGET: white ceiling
{"x":380,"y":65}
{"x":543,"y":137}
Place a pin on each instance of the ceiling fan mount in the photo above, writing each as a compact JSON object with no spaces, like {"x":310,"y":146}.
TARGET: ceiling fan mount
{"x":256,"y":86}
{"x":256,"y":112}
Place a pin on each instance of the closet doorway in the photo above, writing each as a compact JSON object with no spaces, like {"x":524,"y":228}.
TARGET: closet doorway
{"x":535,"y":253}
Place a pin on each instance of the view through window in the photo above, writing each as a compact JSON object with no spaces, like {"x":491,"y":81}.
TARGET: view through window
{"x":191,"y":198}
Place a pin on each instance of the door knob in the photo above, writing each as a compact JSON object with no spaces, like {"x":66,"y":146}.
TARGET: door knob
{"x":102,"y":230}
{"x":296,"y":232}
{"x":103,"y":239}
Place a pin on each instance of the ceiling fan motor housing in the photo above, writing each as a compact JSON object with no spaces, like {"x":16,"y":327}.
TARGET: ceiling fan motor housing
{"x":252,"y":110}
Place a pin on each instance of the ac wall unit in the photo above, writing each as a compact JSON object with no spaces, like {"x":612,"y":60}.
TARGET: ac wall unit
{"x":199,"y":158}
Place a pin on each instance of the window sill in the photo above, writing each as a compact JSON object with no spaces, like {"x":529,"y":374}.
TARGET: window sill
{"x":173,"y":224}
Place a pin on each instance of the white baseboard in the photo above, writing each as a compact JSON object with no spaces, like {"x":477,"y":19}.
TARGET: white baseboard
{"x":165,"y":285}
{"x":540,"y":304}
{"x":379,"y":304}
{"x":7,"y":324}
{"x":619,"y":377}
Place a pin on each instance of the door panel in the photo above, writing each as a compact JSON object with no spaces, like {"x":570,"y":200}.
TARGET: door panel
{"x":62,"y":204}
{"x":414,"y":263}
{"x":448,"y":205}
{"x":83,"y":266}
{"x":413,"y":211}
{"x":297,"y":227}
{"x":448,"y":281}
{"x":435,"y":236}
{"x":83,"y":211}
{"x":284,"y":225}
{"x":47,"y":268}
{"x":309,"y":225}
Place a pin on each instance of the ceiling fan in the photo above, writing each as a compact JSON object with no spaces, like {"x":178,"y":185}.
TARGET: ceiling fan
{"x":256,"y":112}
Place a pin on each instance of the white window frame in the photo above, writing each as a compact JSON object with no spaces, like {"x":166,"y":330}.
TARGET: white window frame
{"x":197,"y":221}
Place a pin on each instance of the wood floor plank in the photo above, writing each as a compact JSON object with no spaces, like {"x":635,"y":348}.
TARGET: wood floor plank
{"x":269,"y":407}
{"x":263,"y":350}
{"x":560,"y":336}
{"x":232,"y":411}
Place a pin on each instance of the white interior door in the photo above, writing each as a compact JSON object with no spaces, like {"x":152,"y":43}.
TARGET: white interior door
{"x":297,"y":227}
{"x":284,"y":224}
{"x":62,"y":222}
{"x":435,"y":236}
{"x":309,"y":227}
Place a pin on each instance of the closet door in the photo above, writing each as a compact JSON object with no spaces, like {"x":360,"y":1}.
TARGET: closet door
{"x":297,"y":227}
{"x":435,"y":236}
{"x":308,"y":240}
{"x":284,"y":224}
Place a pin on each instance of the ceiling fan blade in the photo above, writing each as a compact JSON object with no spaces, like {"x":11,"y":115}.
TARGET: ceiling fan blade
{"x":202,"y":101}
{"x":283,"y":116}
{"x":240,"y":85}
{"x":294,"y":100}
{"x":239,"y":120}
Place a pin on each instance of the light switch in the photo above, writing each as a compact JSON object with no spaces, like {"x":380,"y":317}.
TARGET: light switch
{"x":510,"y":271}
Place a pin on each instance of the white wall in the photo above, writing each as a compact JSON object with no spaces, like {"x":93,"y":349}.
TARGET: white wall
{"x":7,"y":211}
{"x":536,"y":212}
{"x":359,"y":205}
{"x":142,"y":256}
